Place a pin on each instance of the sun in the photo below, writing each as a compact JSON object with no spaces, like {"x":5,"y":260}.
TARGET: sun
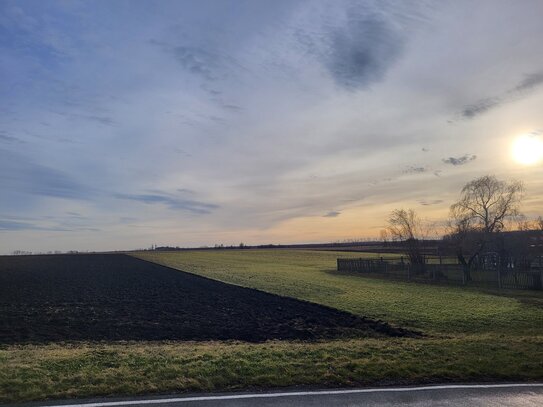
{"x":528,"y":149}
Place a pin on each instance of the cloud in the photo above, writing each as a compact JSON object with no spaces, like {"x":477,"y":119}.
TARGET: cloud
{"x":172,"y":202}
{"x":107,"y":121}
{"x":415,"y":170}
{"x":231,"y":107}
{"x":211,"y":67}
{"x":13,"y":225}
{"x":198,"y":61}
{"x":362,"y":50}
{"x":246,"y":108}
{"x":432,"y":202}
{"x":46,"y":223}
{"x":20,"y":175}
{"x":185,"y":191}
{"x":4,"y":138}
{"x":481,"y":106}
{"x":204,"y":62}
{"x":466,"y":158}
{"x":530,"y":81}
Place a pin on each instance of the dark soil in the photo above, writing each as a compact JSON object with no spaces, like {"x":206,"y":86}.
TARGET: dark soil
{"x":117,"y":297}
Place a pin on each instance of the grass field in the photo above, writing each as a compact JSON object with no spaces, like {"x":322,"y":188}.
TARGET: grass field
{"x":312,"y":276}
{"x":470,"y":335}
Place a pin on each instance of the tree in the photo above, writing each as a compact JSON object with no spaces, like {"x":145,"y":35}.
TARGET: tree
{"x":383,"y":236}
{"x":526,"y":245}
{"x":485,"y":204}
{"x":527,"y":224}
{"x":407,"y":227}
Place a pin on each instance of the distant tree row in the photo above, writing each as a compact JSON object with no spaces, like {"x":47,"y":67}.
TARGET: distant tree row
{"x":27,"y":253}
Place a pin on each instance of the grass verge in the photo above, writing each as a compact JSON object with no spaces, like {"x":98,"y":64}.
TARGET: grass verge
{"x":84,"y":370}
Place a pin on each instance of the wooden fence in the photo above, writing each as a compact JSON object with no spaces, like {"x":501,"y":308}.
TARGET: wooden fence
{"x":531,"y":279}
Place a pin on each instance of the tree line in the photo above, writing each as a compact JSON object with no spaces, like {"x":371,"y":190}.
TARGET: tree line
{"x":485,"y":209}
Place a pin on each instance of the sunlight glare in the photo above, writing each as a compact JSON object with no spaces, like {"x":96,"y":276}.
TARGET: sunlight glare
{"x":528,"y":149}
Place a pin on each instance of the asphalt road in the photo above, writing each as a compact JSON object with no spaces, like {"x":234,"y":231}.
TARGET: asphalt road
{"x":510,"y":395}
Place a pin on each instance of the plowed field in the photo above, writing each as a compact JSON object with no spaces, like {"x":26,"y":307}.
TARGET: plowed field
{"x":95,"y":297}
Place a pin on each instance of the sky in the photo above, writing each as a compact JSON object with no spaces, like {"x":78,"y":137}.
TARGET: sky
{"x":130,"y":123}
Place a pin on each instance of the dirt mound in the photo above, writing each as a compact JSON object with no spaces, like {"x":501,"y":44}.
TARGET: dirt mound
{"x":117,"y":297}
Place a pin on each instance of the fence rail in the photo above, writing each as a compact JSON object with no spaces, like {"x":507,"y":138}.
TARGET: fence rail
{"x":531,"y":278}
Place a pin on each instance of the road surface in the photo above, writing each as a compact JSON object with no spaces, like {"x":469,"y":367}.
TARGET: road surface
{"x":492,"y":395}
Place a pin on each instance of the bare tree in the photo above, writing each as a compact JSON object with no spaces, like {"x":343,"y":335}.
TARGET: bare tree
{"x":383,"y":236}
{"x":407,"y":227}
{"x":526,"y":224}
{"x":486,"y":203}
{"x":539,"y":223}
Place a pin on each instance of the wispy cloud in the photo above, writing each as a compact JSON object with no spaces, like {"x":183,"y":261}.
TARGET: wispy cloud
{"x":480,"y":107}
{"x":172,"y":202}
{"x":4,"y":138}
{"x":49,"y":223}
{"x":231,"y":107}
{"x":332,"y":214}
{"x":204,"y":62}
{"x":200,"y":62}
{"x":415,"y":169}
{"x":14,"y":226}
{"x":464,"y":159}
{"x":528,"y":83}
{"x":108,"y":121}
{"x":20,"y":175}
{"x":43,"y":223}
{"x":105,"y":120}
{"x":431,"y":202}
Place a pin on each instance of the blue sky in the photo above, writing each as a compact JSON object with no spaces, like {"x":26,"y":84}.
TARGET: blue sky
{"x":125,"y":124}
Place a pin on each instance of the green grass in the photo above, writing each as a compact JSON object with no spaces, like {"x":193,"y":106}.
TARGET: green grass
{"x":311,"y":275}
{"x":85,"y":370}
{"x":470,"y":335}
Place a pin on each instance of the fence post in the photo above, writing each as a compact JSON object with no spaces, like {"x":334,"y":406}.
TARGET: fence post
{"x":409,"y":272}
{"x":499,"y":278}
